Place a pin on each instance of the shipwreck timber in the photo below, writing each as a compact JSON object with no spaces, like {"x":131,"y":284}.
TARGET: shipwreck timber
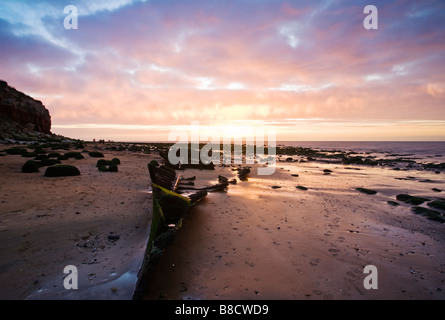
{"x":173,"y":197}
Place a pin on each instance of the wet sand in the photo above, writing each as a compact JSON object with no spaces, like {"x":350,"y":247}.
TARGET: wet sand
{"x":256,"y":242}
{"x":49,"y":223}
{"x":250,"y":242}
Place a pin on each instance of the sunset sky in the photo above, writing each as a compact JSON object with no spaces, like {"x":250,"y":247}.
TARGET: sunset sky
{"x":135,"y":70}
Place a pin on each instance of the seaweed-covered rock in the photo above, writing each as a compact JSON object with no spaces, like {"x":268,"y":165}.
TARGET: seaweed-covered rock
{"x":62,"y":157}
{"x":73,"y":154}
{"x":103,"y":162}
{"x":113,"y":168}
{"x":437,"y":204}
{"x":102,"y":168}
{"x":96,"y":154}
{"x":29,"y":154}
{"x":48,"y":162}
{"x":62,"y":171}
{"x":53,"y":155}
{"x":40,"y":151}
{"x":30,"y":167}
{"x":429,"y":214}
{"x":367,"y":191}
{"x":411,"y":199}
{"x":153,"y":163}
{"x":41,"y":157}
{"x":16,"y":151}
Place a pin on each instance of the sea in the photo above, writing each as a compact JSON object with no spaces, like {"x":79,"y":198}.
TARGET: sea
{"x":421,"y":151}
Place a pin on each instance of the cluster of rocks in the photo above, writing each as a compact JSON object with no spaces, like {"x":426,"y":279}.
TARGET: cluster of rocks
{"x":397,"y":161}
{"x":50,"y":155}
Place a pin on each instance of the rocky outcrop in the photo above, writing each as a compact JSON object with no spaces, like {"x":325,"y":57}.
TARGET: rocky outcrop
{"x":22,"y":111}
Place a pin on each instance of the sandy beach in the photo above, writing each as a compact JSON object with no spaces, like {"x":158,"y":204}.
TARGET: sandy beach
{"x":49,"y":223}
{"x":250,"y":242}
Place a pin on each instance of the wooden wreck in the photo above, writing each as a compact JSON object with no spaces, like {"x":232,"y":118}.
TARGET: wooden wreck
{"x":173,"y":196}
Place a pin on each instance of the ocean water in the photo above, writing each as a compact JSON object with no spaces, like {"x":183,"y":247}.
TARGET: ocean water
{"x":422,"y":151}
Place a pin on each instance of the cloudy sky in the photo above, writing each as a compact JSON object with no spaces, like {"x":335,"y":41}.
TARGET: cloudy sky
{"x":134,"y":70}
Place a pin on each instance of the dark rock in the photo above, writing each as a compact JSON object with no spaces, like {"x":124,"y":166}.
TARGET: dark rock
{"x":53,"y":155}
{"x":436,"y":190}
{"x":96,"y":154}
{"x":276,"y":187}
{"x":102,"y":168}
{"x":48,"y":162}
{"x":153,"y":163}
{"x":393,"y":203}
{"x":62,"y":171}
{"x":367,"y":191}
{"x":73,"y":154}
{"x":41,"y":157}
{"x":113,"y":168}
{"x":15,"y":151}
{"x":29,"y":154}
{"x":411,"y":199}
{"x":295,"y":175}
{"x":101,"y":163}
{"x":430,"y":214}
{"x":437,"y":204}
{"x":30,"y":167}
{"x":302,"y":188}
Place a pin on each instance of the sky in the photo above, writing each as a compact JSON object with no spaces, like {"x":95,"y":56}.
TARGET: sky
{"x":136,"y":70}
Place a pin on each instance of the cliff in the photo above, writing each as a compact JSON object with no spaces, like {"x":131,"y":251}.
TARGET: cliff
{"x":20,"y":113}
